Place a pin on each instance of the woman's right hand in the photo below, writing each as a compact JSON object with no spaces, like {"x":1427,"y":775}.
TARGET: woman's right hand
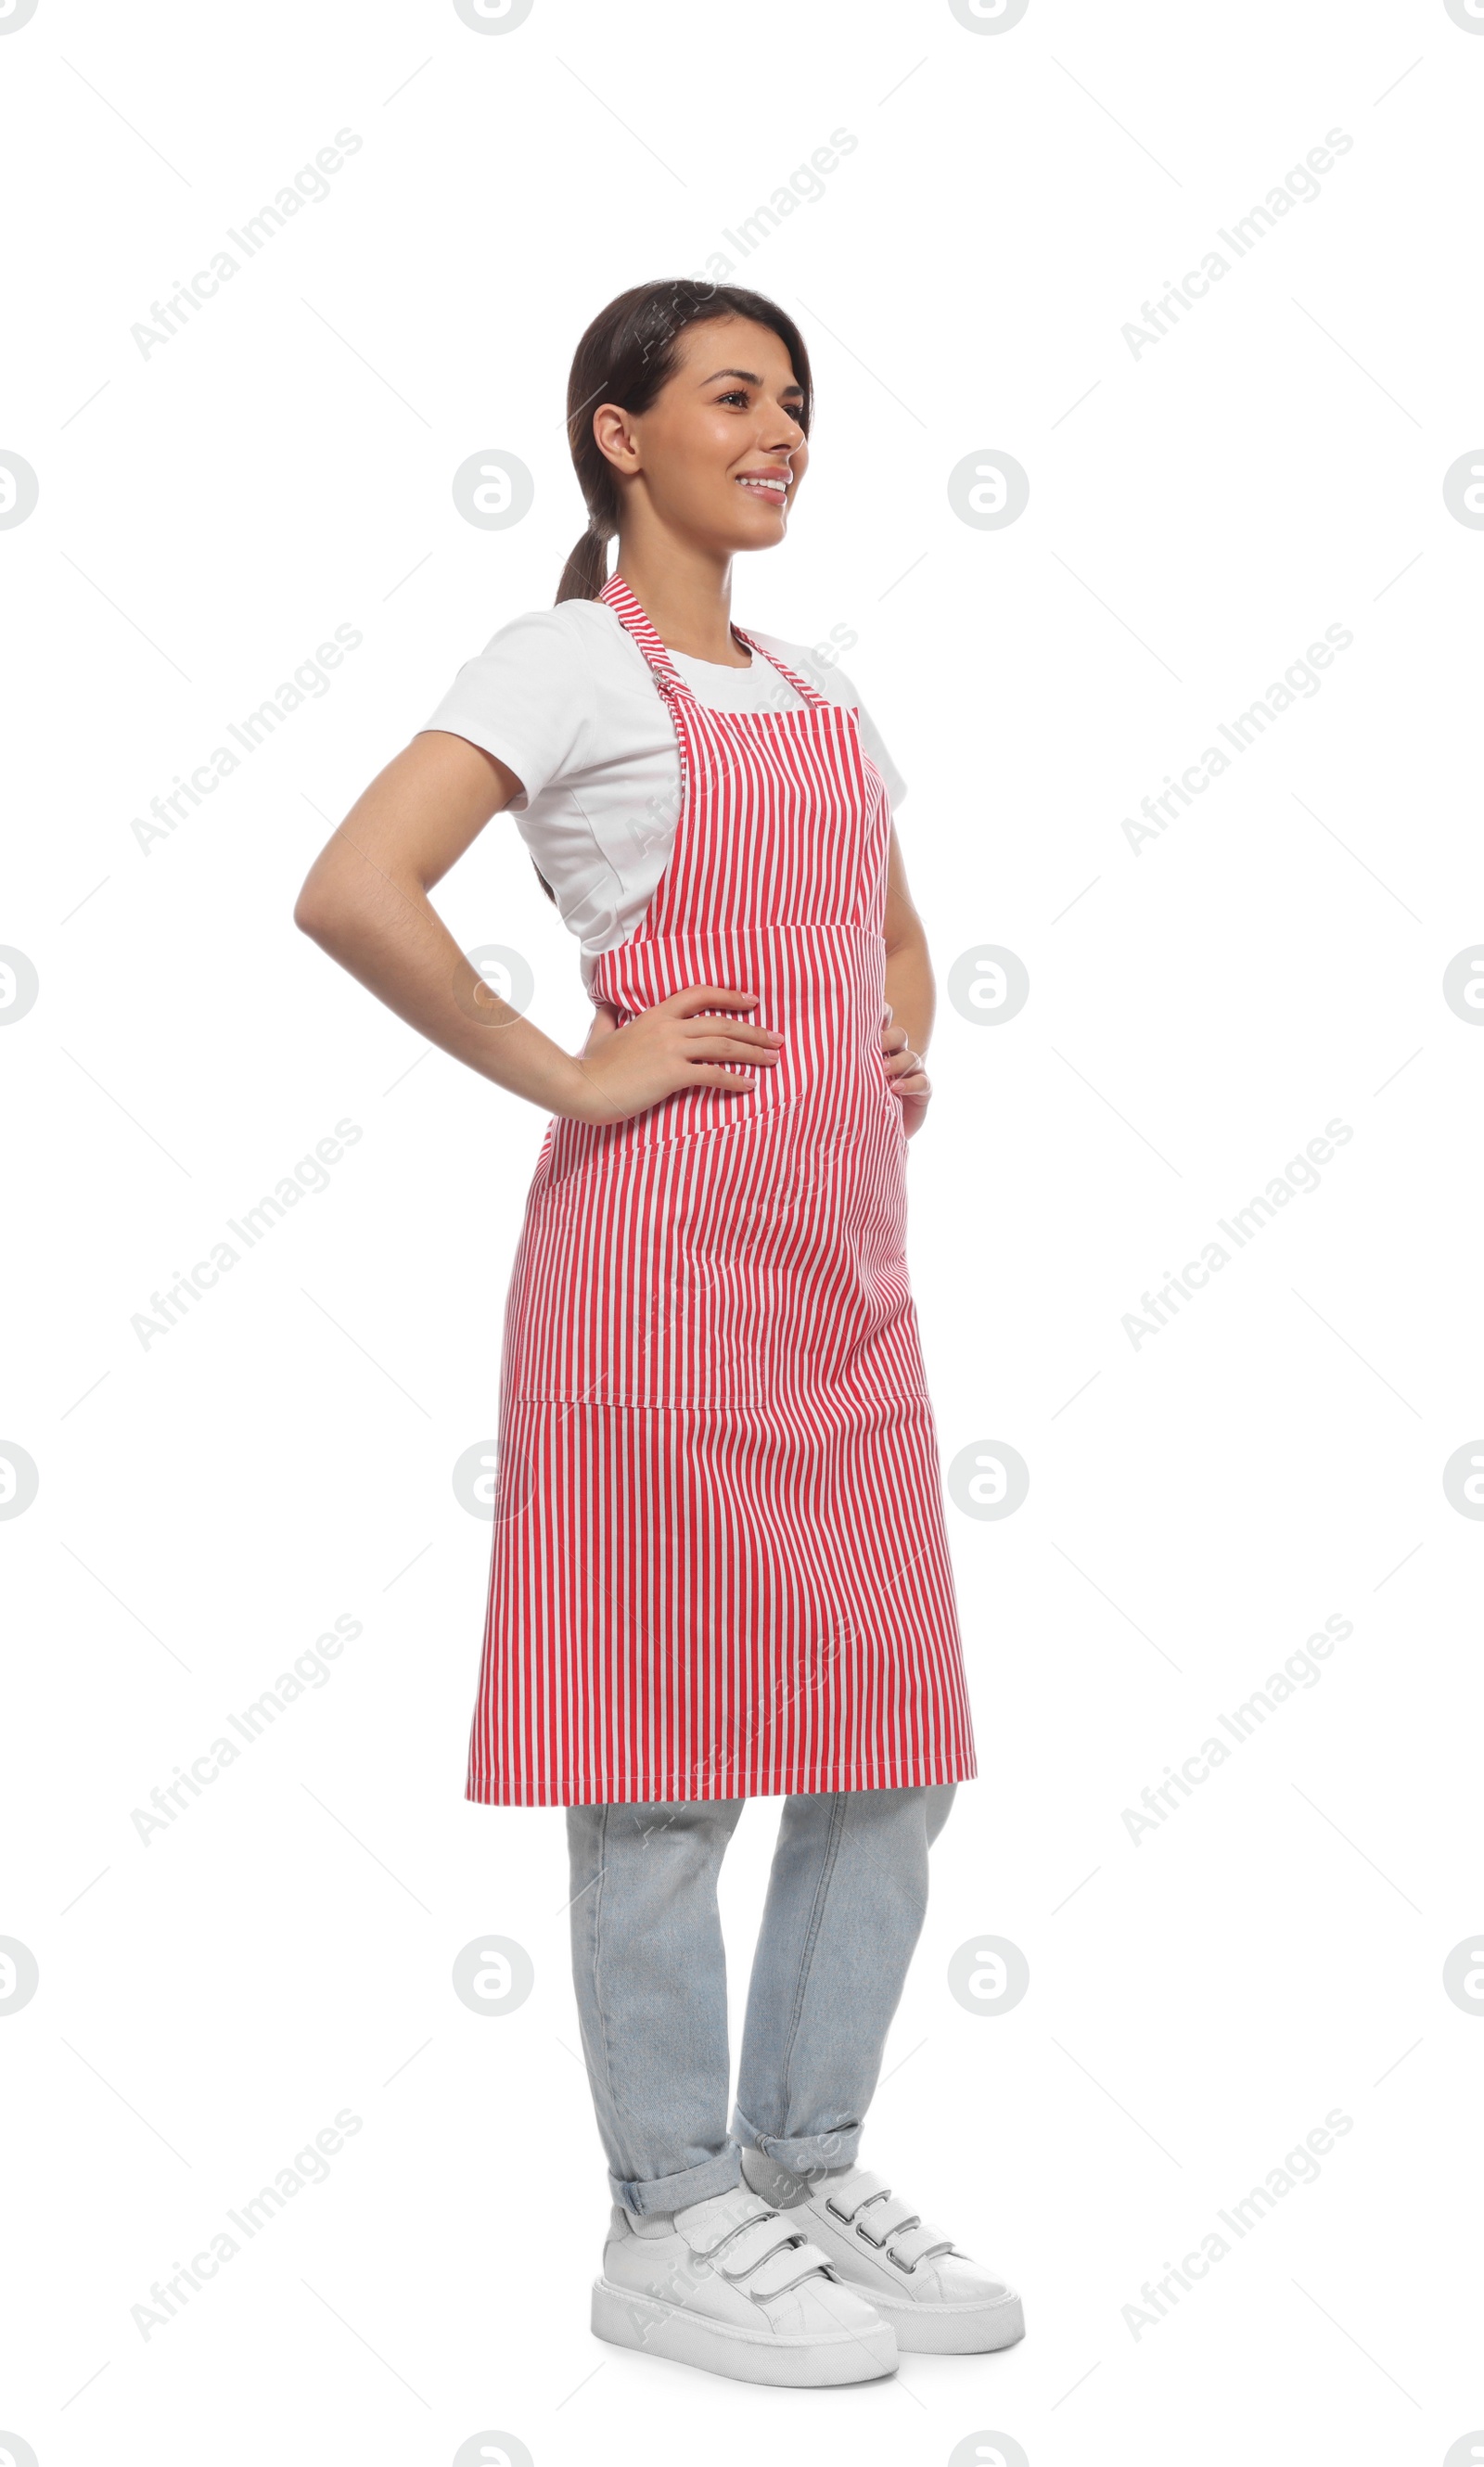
{"x":623,"y":1071}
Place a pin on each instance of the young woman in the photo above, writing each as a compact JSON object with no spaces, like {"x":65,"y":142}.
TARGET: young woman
{"x":719,"y":1569}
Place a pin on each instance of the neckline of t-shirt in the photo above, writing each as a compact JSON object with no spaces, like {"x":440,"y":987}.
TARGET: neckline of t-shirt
{"x":723,"y":668}
{"x":716,"y":667}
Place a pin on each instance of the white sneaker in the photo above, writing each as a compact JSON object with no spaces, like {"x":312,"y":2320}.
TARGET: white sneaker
{"x":937,"y":2300}
{"x":729,"y":2286}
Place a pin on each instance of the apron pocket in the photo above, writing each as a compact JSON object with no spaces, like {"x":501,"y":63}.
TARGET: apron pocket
{"x":685,"y":1271}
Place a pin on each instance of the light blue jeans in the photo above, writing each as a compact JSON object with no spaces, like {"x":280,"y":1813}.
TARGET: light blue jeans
{"x":845,"y":1904}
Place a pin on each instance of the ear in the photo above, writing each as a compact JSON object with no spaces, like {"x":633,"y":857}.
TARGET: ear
{"x":615,"y":437}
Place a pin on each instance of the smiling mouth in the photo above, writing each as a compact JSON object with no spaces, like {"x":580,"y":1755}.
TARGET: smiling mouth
{"x":777,"y":489}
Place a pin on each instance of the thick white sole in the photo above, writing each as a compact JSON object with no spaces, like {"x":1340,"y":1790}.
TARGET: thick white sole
{"x":656,"y":2327}
{"x":947,"y":2329}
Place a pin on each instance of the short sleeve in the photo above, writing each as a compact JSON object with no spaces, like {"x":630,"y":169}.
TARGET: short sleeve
{"x":526,"y":699}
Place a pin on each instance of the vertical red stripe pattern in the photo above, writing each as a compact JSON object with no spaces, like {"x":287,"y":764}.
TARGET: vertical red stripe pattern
{"x":719,"y":1566}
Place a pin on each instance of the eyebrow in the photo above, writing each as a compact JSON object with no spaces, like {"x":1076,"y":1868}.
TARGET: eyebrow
{"x":751,"y":376}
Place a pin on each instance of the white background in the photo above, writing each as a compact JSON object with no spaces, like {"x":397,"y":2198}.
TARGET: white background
{"x":1197,"y":1507}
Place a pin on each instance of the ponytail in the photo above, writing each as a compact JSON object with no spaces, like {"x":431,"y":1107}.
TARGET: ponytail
{"x":587,"y":569}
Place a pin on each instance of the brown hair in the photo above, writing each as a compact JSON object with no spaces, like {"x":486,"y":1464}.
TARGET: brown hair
{"x":625,"y":356}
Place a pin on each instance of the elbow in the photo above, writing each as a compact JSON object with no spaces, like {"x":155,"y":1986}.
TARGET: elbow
{"x":314,"y":909}
{"x":909,"y":941}
{"x":324,"y":925}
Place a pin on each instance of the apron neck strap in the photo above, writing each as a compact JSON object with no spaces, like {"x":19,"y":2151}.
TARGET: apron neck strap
{"x":807,"y":695}
{"x":625,"y":608}
{"x":631,"y":616}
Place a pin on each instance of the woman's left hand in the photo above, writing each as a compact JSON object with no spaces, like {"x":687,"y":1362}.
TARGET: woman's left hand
{"x":907,"y":1072}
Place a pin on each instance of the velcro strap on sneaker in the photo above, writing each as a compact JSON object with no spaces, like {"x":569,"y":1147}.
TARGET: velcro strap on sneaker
{"x":738,"y":2227}
{"x":881,"y":2217}
{"x":866,"y":2188}
{"x":915,"y":2245}
{"x":784,"y":2269}
{"x":755,"y":2243}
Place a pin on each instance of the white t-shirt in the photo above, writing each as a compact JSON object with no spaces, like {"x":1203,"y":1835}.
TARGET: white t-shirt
{"x":564,"y":696}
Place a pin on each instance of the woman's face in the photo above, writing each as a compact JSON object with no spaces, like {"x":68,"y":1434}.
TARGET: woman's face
{"x":720,"y":453}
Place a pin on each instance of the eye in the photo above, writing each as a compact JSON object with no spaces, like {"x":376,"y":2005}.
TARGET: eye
{"x":743,"y":394}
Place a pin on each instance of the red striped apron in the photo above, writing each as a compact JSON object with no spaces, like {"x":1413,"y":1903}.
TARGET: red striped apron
{"x":719,"y":1567}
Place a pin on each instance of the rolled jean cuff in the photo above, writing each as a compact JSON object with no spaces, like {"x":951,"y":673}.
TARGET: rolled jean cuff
{"x":807,"y":2153}
{"x":664,"y":2193}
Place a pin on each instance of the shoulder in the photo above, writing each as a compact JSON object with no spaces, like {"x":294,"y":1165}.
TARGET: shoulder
{"x":541,"y":694}
{"x":574,"y":632}
{"x":577,"y":653}
{"x":569,"y":659}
